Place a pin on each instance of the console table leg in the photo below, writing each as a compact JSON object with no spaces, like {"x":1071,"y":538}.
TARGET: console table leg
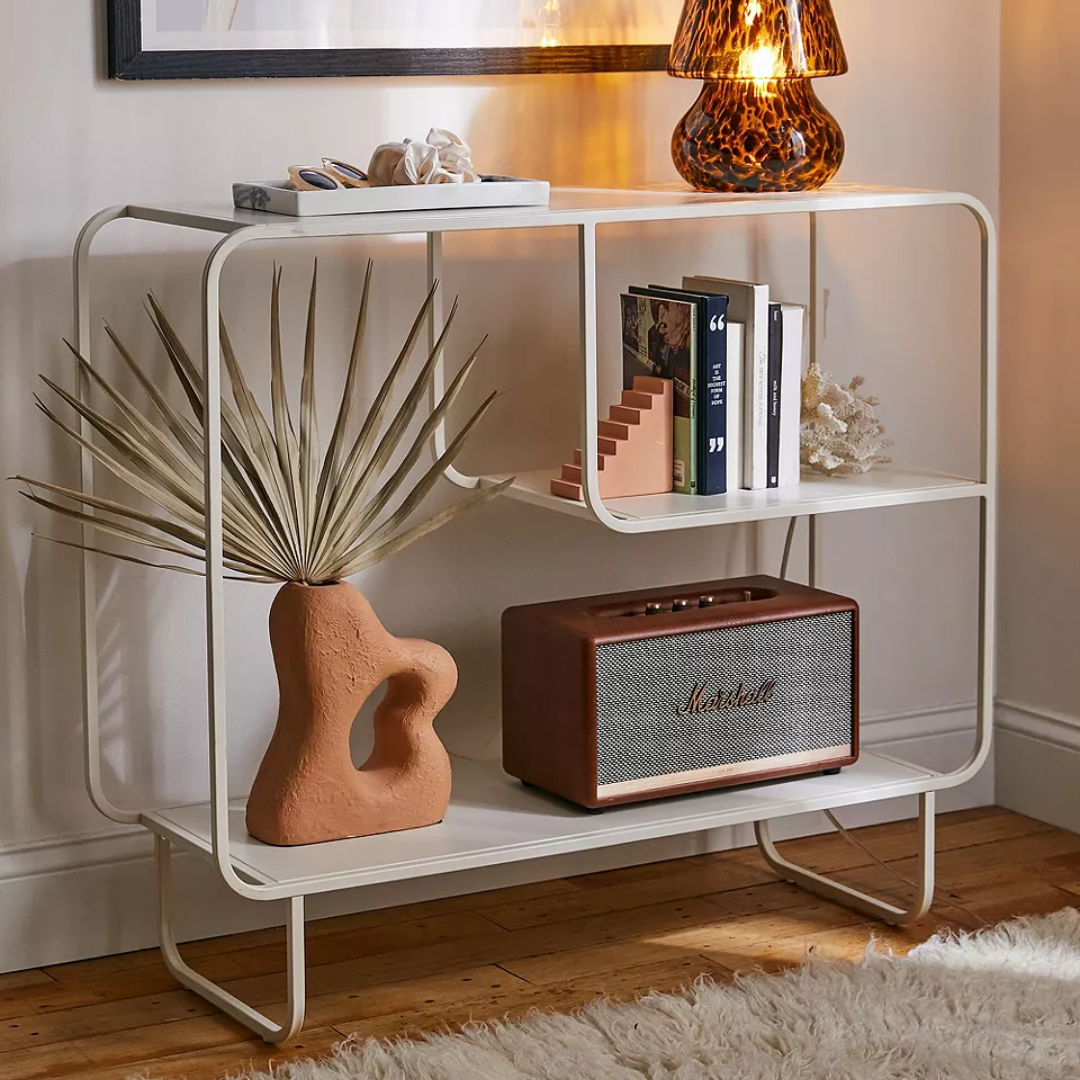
{"x":262,"y":1025}
{"x":853,"y":898}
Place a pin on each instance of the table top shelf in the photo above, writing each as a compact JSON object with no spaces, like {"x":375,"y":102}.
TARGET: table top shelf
{"x":568,"y":207}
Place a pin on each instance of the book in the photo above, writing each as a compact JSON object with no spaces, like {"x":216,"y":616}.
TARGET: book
{"x":660,"y":338}
{"x":748,"y":303}
{"x":736,"y":336}
{"x":776,"y":361}
{"x":794,"y":319}
{"x":712,"y":388}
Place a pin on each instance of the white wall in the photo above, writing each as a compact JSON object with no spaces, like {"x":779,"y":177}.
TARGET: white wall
{"x":918,"y":110}
{"x":1039,"y":677}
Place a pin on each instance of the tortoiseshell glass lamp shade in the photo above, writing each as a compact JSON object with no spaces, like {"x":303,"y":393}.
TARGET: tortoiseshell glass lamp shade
{"x":758,"y":125}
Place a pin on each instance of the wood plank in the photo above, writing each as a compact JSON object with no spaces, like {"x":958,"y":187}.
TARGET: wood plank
{"x":103,"y":965}
{"x":845,"y":943}
{"x":120,"y":1047}
{"x":109,"y":987}
{"x":895,"y":840}
{"x":499,"y":948}
{"x":150,"y":976}
{"x":380,"y":917}
{"x":774,"y":896}
{"x":624,"y":983}
{"x":364,"y":941}
{"x":22,"y":980}
{"x":221,"y":1061}
{"x":1011,"y":859}
{"x":726,"y":934}
{"x":112,"y":1016}
{"x":433,"y":992}
{"x":1057,"y":868}
{"x":1071,"y":887}
{"x":984,"y":898}
{"x":93,"y":970}
{"x":680,"y":883}
{"x":744,"y":860}
{"x":1030,"y":902}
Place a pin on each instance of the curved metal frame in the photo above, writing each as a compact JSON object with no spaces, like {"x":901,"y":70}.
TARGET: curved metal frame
{"x":219,"y":796}
{"x":88,"y":581}
{"x":295,"y":968}
{"x":824,"y":886}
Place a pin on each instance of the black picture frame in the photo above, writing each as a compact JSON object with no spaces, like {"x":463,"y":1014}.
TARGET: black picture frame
{"x":129,"y":60}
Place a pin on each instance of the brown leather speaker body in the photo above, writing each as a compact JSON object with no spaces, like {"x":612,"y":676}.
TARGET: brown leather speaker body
{"x":754,"y":679}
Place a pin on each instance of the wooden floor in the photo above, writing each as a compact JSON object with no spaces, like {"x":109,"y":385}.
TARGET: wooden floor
{"x":554,"y":945}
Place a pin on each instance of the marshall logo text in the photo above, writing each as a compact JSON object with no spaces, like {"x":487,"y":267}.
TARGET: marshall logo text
{"x":701,"y":701}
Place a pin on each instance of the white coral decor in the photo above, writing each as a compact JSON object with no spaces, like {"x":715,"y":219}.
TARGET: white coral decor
{"x":441,"y":158}
{"x":841,"y":435}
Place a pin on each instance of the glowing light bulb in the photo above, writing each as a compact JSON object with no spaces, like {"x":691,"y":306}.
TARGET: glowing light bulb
{"x":762,"y":65}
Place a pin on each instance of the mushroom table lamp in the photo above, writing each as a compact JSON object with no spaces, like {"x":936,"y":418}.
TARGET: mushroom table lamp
{"x":757,"y":125}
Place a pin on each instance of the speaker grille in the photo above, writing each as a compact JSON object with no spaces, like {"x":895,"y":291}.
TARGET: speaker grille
{"x":641,"y":685}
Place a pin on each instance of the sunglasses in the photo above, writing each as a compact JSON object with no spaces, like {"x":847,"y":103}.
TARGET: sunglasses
{"x":333,"y":176}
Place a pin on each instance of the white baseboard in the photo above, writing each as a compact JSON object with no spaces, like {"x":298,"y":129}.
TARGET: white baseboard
{"x":1038,"y":764}
{"x":94,"y":895}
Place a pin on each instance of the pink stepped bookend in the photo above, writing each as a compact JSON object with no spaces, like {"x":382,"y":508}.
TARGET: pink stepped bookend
{"x":634,"y":443}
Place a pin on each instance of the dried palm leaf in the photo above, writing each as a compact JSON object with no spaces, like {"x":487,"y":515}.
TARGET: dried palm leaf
{"x":289,"y":513}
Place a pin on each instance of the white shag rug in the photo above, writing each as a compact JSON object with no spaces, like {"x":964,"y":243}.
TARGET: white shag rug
{"x":1000,"y":1005}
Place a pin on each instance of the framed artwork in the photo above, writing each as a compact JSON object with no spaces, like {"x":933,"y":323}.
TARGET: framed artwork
{"x":224,"y":39}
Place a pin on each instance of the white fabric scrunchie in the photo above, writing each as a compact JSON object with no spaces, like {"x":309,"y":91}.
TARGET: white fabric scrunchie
{"x":441,"y":158}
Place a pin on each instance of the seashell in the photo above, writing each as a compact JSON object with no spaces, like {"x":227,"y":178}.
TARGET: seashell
{"x":841,"y":434}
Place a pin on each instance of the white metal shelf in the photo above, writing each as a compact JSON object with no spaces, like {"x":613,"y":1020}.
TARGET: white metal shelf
{"x":887,"y":485}
{"x":494,"y":819}
{"x":568,"y":207}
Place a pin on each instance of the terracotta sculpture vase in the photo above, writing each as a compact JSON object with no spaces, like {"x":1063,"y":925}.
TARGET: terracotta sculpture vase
{"x":331,"y":652}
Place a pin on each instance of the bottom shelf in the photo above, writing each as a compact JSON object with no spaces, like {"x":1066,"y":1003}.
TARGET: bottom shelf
{"x":494,"y":819}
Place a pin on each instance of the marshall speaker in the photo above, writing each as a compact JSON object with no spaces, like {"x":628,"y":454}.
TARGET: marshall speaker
{"x":617,"y":699}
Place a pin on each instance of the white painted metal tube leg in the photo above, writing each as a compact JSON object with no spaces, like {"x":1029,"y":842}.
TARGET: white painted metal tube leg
{"x":438,"y":377}
{"x":262,"y":1025}
{"x":853,"y":898}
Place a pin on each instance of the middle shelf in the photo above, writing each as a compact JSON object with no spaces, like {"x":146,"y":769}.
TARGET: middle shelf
{"x":886,"y":485}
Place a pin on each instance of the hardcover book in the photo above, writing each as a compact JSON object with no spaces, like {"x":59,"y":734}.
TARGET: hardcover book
{"x":749,"y":305}
{"x":660,"y":338}
{"x":794,"y":318}
{"x":736,"y":335}
{"x":712,"y":388}
{"x":776,"y":363}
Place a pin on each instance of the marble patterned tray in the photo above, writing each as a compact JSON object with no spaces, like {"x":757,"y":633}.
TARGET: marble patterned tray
{"x":275,"y":197}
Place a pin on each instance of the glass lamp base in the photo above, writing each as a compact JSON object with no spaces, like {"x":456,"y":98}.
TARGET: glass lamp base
{"x":747,"y":135}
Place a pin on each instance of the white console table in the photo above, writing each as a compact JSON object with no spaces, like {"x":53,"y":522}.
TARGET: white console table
{"x":492,"y":819}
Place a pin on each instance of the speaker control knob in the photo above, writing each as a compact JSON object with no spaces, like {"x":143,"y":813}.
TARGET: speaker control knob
{"x":680,"y":605}
{"x":654,"y":609}
{"x":706,"y":601}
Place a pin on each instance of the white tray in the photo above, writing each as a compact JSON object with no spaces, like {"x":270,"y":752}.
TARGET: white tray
{"x":276,"y":198}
